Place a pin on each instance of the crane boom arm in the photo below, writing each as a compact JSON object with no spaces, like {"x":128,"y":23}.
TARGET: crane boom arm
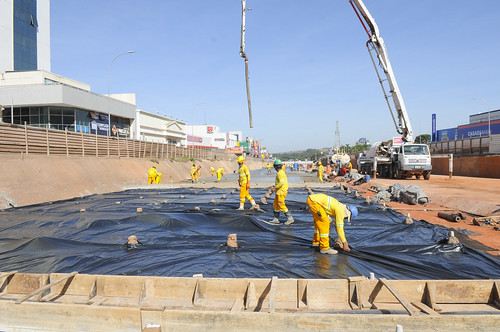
{"x":376,"y":44}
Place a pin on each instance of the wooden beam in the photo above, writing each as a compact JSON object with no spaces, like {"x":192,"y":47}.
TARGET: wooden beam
{"x":272,"y":295}
{"x":7,"y":274}
{"x":424,"y":308}
{"x":495,"y":294}
{"x":41,"y":289}
{"x":430,"y":296}
{"x":237,"y":305}
{"x":302,"y":294}
{"x":250,"y":296}
{"x":354,"y":293}
{"x":406,"y":304}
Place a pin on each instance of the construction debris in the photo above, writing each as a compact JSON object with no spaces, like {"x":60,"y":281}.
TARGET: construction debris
{"x":408,"y":220}
{"x":411,"y":194}
{"x":453,"y":217}
{"x":232,"y":241}
{"x":139,"y":210}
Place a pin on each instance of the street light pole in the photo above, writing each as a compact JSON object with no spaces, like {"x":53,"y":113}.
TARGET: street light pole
{"x":109,"y":72}
{"x":489,"y":114}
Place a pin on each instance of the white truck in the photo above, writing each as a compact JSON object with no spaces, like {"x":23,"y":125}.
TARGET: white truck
{"x":390,"y":161}
{"x":396,"y":162}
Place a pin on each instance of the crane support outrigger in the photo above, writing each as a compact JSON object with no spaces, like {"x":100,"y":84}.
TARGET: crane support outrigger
{"x":390,"y":161}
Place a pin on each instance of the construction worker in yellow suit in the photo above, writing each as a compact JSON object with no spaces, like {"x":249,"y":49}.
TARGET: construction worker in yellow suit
{"x":321,"y":169}
{"x":193,"y":170}
{"x":321,"y":207}
{"x":212,"y":170}
{"x":197,"y":174}
{"x":220,"y":172}
{"x":153,"y":175}
{"x":268,"y":168}
{"x":281,"y":188}
{"x":244,"y":183}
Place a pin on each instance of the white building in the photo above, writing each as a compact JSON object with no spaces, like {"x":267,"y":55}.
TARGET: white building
{"x":210,"y":136}
{"x":44,"y":99}
{"x":158,"y":128}
{"x":24,"y":35}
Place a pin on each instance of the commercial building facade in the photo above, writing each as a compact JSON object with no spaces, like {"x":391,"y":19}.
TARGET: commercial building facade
{"x":24,"y":35}
{"x":44,"y":99}
{"x":480,"y":125}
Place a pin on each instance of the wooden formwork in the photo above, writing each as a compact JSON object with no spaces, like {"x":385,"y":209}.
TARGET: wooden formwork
{"x":103,"y":302}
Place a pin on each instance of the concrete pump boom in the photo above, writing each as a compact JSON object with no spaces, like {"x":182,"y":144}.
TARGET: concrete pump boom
{"x":244,"y":56}
{"x":376,"y":44}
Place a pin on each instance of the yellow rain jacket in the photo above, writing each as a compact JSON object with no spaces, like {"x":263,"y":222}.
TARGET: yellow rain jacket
{"x":281,"y":183}
{"x":319,"y":205}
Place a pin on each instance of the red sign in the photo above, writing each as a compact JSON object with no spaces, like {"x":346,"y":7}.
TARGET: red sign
{"x":397,"y":141}
{"x":210,"y":129}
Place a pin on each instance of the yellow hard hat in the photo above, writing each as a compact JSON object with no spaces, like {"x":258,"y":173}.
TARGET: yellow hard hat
{"x":319,"y":163}
{"x":241,"y":159}
{"x":154,"y":166}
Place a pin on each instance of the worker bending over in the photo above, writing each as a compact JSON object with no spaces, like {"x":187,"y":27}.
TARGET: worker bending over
{"x":212,"y":171}
{"x":220,"y":172}
{"x":281,"y":188}
{"x":321,"y":169}
{"x":153,"y":175}
{"x":321,"y":206}
{"x":244,"y":183}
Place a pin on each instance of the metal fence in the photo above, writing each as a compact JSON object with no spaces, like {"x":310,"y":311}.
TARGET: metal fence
{"x":32,"y":140}
{"x":465,"y":146}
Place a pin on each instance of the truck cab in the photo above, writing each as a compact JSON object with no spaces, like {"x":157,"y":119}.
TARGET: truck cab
{"x":413,"y":159}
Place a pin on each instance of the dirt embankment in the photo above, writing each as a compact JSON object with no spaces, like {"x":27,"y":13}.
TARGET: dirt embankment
{"x":37,"y":178}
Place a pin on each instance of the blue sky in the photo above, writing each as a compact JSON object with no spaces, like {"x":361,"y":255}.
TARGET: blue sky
{"x":309,"y":66}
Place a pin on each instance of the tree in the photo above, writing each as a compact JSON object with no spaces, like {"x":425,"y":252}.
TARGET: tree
{"x":424,"y":138}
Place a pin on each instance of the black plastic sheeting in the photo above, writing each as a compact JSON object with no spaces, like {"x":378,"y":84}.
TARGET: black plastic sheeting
{"x":180,"y":241}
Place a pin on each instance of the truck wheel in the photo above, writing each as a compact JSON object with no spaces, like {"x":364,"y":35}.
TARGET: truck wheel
{"x":427,"y":175}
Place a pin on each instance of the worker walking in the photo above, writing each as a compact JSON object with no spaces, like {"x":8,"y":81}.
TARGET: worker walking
{"x":153,"y":175}
{"x":321,"y":206}
{"x":212,"y":171}
{"x":244,"y":183}
{"x":197,"y":174}
{"x":193,"y":170}
{"x":321,"y":169}
{"x":220,"y":172}
{"x":281,"y":188}
{"x":268,"y":168}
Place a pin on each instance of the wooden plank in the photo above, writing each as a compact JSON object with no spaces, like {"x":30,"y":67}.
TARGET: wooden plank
{"x":407,"y":305}
{"x":272,"y":295}
{"x":250,"y":296}
{"x":41,"y":289}
{"x":7,"y":274}
{"x":422,"y":307}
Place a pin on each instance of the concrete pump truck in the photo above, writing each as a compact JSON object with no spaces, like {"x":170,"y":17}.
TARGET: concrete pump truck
{"x":384,"y":159}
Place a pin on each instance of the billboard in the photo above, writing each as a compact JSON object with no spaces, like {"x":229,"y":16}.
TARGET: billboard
{"x":444,"y":135}
{"x":478,"y":129}
{"x":397,"y":141}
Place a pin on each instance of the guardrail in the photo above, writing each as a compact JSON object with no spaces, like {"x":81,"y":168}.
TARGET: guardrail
{"x":16,"y":138}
